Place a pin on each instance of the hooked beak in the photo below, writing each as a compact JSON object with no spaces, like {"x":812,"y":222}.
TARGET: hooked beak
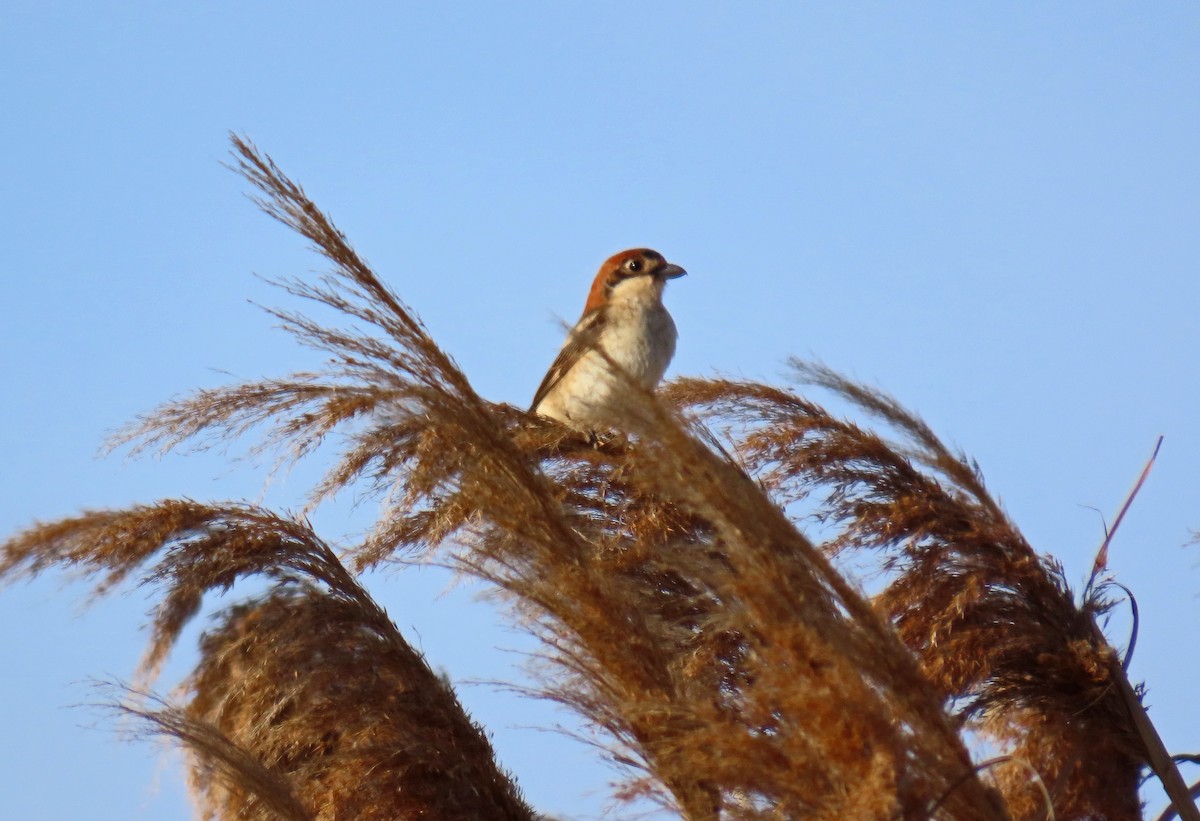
{"x":671,"y":271}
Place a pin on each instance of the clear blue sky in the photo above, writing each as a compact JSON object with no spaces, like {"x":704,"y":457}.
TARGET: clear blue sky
{"x":990,"y":210}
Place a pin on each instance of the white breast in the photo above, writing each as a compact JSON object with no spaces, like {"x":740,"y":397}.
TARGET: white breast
{"x":641,"y":340}
{"x":638,"y":335}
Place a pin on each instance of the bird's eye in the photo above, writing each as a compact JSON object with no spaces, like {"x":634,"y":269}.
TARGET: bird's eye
{"x":633,"y":266}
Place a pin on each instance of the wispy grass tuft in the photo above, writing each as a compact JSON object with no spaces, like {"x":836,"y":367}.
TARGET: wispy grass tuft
{"x":994,"y":625}
{"x":306,"y":698}
{"x":734,"y":670}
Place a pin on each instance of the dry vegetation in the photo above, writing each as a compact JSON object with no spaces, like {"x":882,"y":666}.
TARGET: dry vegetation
{"x":682,"y":611}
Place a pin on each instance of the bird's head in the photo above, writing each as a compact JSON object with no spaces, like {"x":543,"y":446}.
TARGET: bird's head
{"x":636,"y":269}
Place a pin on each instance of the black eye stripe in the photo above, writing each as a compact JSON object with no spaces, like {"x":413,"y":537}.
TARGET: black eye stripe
{"x":633,"y":267}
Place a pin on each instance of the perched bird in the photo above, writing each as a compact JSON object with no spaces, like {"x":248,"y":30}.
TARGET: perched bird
{"x":625,"y":318}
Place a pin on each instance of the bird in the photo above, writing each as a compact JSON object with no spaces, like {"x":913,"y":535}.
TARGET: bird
{"x":624,"y":324}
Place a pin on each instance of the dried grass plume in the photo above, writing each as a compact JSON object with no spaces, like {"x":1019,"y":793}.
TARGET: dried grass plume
{"x":734,"y":667}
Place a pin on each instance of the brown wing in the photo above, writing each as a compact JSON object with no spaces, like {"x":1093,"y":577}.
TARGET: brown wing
{"x":581,"y":340}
